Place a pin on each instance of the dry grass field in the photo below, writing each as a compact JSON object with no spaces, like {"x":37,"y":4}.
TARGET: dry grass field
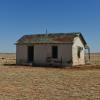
{"x":94,"y":58}
{"x":42,"y":83}
{"x":7,"y":58}
{"x":38,"y":83}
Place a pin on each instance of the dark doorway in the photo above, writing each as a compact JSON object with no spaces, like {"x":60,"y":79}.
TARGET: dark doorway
{"x":30,"y":53}
{"x":54,"y":52}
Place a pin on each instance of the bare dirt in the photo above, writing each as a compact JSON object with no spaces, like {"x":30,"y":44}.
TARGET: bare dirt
{"x":46,"y":83}
{"x":38,"y":83}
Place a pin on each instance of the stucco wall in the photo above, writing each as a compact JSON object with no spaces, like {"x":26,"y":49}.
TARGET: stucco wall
{"x":42,"y":52}
{"x":21,"y":54}
{"x":76,"y":60}
{"x":65,"y":52}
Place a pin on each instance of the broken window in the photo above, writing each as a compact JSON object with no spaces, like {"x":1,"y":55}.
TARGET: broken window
{"x":79,"y":51}
{"x":54,"y":52}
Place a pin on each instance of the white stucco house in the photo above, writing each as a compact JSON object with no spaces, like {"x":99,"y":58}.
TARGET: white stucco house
{"x":56,"y":49}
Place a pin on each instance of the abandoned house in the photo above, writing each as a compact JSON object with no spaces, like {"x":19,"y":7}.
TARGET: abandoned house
{"x":51,"y":49}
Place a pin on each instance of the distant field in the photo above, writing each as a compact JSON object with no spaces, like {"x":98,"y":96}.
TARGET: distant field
{"x":95,"y":58}
{"x":7,"y":58}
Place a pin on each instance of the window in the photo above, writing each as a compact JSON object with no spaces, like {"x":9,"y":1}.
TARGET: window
{"x":79,"y":51}
{"x":54,"y":52}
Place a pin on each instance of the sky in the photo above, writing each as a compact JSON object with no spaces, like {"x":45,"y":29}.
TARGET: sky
{"x":21,"y":17}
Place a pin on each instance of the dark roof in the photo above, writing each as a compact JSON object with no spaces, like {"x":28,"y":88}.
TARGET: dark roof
{"x":50,"y":38}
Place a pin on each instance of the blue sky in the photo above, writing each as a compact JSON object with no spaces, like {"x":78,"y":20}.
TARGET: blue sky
{"x":20,"y":17}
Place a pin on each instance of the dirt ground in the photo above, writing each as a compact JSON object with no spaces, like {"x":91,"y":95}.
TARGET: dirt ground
{"x":47,"y":83}
{"x":41,"y":83}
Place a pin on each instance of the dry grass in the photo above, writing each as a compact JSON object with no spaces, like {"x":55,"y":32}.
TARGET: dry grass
{"x":94,"y":58}
{"x":38,"y":83}
{"x":7,"y":58}
{"x":42,"y":83}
